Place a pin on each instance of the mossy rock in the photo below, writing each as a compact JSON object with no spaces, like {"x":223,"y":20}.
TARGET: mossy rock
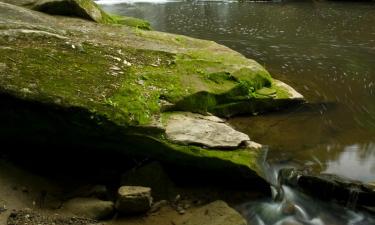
{"x":104,"y":87}
{"x":86,"y":9}
{"x":131,"y":22}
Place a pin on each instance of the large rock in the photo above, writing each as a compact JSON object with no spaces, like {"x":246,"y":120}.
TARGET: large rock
{"x":208,"y":131}
{"x":349,"y":192}
{"x":89,"y":208}
{"x":133,"y":199}
{"x":94,"y":86}
{"x":86,"y":9}
{"x":215,"y":213}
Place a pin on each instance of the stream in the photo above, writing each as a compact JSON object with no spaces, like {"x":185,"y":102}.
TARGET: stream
{"x":326,"y":51}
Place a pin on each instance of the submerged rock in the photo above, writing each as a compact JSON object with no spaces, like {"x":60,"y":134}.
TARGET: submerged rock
{"x":133,"y":199}
{"x":96,"y":86}
{"x":89,"y":208}
{"x":215,"y":213}
{"x":330,"y":187}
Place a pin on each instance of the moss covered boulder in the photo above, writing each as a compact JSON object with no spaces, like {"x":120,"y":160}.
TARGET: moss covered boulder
{"x":86,"y":9}
{"x":108,"y":87}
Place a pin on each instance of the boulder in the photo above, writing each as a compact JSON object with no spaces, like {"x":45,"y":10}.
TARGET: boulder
{"x":133,"y":199}
{"x":86,"y":9}
{"x":89,"y":208}
{"x":100,"y":87}
{"x":154,"y":176}
{"x":349,"y":192}
{"x":215,"y":213}
{"x":207,"y":131}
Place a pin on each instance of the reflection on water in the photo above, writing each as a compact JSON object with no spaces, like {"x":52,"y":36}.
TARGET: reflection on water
{"x":355,"y":161}
{"x":325,"y":50}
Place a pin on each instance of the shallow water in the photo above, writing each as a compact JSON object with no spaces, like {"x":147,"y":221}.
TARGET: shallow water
{"x":325,"y":50}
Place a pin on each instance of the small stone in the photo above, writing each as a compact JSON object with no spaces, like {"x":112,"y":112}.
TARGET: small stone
{"x":180,"y":210}
{"x":133,"y":199}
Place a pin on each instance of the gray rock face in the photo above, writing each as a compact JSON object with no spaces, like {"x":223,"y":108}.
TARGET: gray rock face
{"x":133,"y":199}
{"x":209,"y":131}
{"x":215,"y":213}
{"x":89,"y":208}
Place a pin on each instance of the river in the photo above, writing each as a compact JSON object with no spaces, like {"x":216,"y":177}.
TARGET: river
{"x":325,"y":50}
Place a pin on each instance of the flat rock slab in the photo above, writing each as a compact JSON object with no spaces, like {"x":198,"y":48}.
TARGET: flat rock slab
{"x":208,"y":131}
{"x":215,"y":213}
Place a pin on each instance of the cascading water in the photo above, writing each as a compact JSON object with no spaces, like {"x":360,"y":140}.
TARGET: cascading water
{"x":291,"y":207}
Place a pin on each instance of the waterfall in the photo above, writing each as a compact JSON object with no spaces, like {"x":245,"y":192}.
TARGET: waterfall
{"x":289,"y":206}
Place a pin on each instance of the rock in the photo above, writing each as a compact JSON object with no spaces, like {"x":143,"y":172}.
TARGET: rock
{"x":89,"y":208}
{"x":133,"y":199}
{"x":86,"y":9}
{"x":215,"y":213}
{"x":189,"y":128}
{"x":70,"y":101}
{"x":3,"y":206}
{"x":19,"y":2}
{"x":349,"y":192}
{"x":154,"y":176}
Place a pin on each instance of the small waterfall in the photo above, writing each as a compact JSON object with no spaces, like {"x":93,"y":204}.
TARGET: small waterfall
{"x":353,"y":198}
{"x":288,"y":206}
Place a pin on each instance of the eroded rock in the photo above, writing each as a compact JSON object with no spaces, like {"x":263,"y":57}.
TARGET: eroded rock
{"x":133,"y":199}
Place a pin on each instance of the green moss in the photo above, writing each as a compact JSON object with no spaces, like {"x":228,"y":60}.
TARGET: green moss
{"x":242,"y":157}
{"x":130,"y":21}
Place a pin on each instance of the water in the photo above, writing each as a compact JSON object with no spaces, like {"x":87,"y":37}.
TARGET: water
{"x":325,"y":50}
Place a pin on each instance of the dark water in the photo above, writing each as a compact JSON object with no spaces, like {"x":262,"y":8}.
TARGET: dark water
{"x":327,"y":52}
